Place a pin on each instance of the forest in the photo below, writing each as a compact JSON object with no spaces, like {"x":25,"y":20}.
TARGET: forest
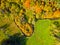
{"x":29,"y":22}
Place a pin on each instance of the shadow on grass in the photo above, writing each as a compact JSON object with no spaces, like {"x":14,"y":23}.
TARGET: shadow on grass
{"x":15,"y":40}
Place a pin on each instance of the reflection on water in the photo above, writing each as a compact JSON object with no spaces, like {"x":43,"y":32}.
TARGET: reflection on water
{"x":15,"y":40}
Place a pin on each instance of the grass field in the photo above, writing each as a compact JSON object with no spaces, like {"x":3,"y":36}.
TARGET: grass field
{"x":41,"y":34}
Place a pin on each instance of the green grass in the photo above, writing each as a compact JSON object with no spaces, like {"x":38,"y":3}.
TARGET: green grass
{"x":41,"y":35}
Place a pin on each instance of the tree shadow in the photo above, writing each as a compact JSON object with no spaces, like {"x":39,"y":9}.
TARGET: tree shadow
{"x":15,"y":40}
